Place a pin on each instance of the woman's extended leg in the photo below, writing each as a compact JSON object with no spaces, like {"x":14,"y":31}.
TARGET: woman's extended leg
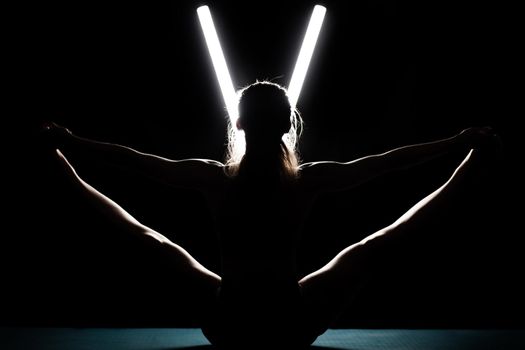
{"x":180,"y":260}
{"x":328,"y":290}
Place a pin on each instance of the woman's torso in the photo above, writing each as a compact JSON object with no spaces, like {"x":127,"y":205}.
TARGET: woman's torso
{"x":259,"y":222}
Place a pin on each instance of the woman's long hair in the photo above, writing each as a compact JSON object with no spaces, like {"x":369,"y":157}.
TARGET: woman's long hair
{"x":264,"y":107}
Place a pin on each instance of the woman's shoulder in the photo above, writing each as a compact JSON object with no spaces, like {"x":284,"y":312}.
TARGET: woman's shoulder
{"x":203,"y":174}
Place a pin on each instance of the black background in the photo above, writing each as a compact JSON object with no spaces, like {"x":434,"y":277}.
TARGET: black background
{"x":384,"y":74}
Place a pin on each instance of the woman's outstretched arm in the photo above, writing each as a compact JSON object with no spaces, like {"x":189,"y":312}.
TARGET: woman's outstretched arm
{"x":104,"y":205}
{"x":333,"y":176}
{"x":177,"y":256}
{"x":187,"y":173}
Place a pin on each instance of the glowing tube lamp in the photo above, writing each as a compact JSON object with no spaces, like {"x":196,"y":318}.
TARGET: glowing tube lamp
{"x":223,"y":75}
{"x":305,"y":55}
{"x":219,"y":63}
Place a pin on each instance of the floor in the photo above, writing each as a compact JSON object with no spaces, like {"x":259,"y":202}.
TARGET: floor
{"x":192,"y":339}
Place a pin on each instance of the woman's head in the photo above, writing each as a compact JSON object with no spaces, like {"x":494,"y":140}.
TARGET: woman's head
{"x":267,"y":124}
{"x":264,"y":111}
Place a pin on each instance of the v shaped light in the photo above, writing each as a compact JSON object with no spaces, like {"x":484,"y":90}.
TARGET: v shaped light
{"x":221,"y":69}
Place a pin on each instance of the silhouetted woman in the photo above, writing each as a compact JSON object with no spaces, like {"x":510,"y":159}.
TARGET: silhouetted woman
{"x":260,"y":199}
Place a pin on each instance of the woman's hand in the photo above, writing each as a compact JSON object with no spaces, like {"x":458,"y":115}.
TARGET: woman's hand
{"x":55,"y":135}
{"x":479,"y":137}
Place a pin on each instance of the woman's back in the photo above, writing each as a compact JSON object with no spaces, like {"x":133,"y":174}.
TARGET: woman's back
{"x":259,"y":220}
{"x":260,"y":208}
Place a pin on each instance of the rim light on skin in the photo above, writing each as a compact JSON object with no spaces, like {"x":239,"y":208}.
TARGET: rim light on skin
{"x":231,"y":97}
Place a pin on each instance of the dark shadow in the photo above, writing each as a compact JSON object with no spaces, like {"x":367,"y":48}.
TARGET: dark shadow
{"x":272,"y":347}
{"x":196,"y":347}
